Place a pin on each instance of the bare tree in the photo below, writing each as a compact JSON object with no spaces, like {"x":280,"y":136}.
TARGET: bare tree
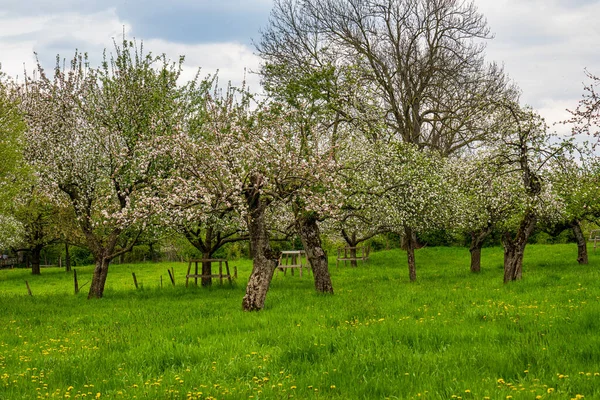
{"x":416,"y":65}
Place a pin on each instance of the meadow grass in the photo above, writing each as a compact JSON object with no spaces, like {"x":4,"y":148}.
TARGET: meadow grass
{"x":451,"y":334}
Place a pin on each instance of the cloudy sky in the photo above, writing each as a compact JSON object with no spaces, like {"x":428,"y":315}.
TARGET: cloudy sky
{"x":544,"y":44}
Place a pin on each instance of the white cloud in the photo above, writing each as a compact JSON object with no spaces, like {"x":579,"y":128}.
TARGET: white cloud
{"x":62,"y":33}
{"x":545,"y":46}
{"x":230,"y":59}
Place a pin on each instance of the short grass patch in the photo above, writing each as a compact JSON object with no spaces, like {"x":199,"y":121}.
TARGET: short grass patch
{"x":451,"y":334}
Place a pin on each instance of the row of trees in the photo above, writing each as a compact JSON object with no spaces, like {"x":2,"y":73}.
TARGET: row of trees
{"x":379,"y":116}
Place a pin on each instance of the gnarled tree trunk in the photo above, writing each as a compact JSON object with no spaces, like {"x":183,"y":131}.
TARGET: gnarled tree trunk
{"x":514,"y":248}
{"x":582,"y":255}
{"x":308,"y":230}
{"x":265,"y":259}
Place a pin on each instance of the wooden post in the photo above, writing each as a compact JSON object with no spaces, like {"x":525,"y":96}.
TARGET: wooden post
{"x":187,"y":276}
{"x":75,"y":281}
{"x":28,"y":288}
{"x":235,"y":272}
{"x":161,"y":281}
{"x":171,"y":277}
{"x":228,"y":272}
{"x":221,"y":273}
{"x":67,"y":258}
{"x":134,"y":280}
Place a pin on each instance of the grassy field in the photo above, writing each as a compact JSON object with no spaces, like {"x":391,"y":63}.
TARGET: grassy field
{"x":449,"y":335}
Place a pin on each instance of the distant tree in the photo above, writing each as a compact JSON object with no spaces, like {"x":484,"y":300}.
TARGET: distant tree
{"x":93,"y":136}
{"x":488,"y":194}
{"x":576,"y":183}
{"x":406,"y":190}
{"x":40,"y":219}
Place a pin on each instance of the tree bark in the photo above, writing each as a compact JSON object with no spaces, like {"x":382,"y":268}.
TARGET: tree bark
{"x":311,"y":240}
{"x":35,"y":260}
{"x":514,"y":248}
{"x":582,"y":255}
{"x":99,"y":278}
{"x":410,"y":244}
{"x":206,"y":270}
{"x":477,"y":239}
{"x":67,"y":258}
{"x":265,"y":259}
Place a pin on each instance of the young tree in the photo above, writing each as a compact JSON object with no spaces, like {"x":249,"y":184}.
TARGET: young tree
{"x":94,"y":135}
{"x":40,"y":219}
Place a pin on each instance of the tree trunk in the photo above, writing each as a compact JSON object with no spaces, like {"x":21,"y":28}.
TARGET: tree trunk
{"x":513,"y":262}
{"x":35,"y":260}
{"x":353,"y":262}
{"x":582,"y":255}
{"x":311,"y":240}
{"x":410,"y":244}
{"x":99,"y":278}
{"x":67,"y":258}
{"x":477,"y":239}
{"x":206,"y":270}
{"x":475,"y":259}
{"x":514,"y":248}
{"x":264,"y":258}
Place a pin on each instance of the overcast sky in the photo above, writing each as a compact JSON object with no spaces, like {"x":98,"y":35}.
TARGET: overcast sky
{"x":544,"y":44}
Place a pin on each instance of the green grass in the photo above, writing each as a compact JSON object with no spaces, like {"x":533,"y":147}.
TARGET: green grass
{"x":452,"y":334}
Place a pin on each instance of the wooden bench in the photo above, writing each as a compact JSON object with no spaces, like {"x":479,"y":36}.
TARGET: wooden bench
{"x":220,"y":275}
{"x":595,"y":237}
{"x":359,"y":253}
{"x":292,"y":259}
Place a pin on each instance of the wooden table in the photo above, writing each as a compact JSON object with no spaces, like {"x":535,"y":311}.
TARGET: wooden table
{"x":220,"y":275}
{"x":360,"y":253}
{"x":292,"y":259}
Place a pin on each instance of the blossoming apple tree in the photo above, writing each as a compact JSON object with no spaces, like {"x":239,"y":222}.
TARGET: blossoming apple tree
{"x":94,"y":136}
